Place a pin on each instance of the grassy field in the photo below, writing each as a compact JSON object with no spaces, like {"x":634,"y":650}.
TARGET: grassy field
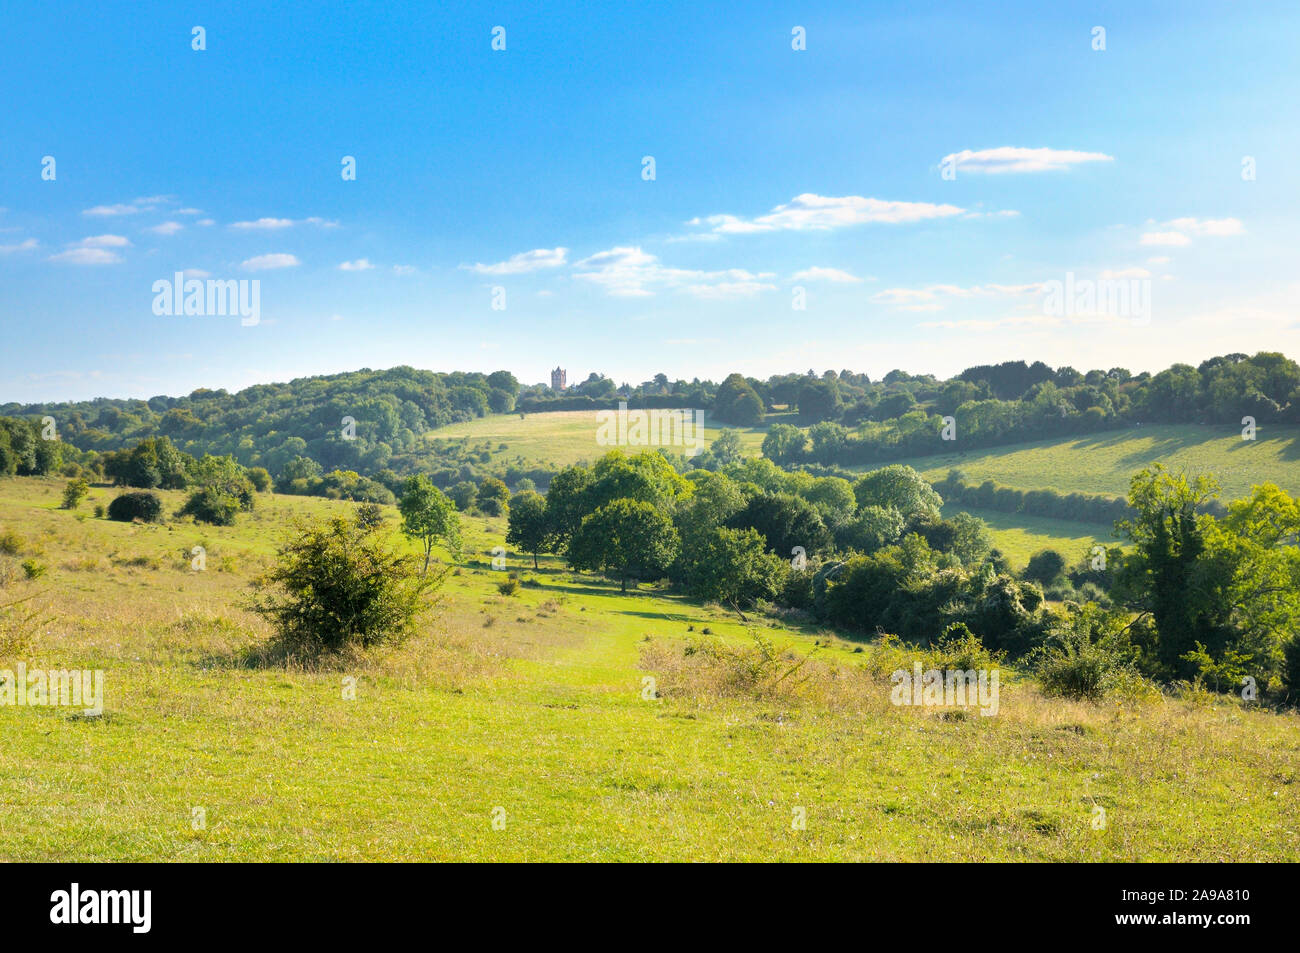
{"x":1020,"y":536}
{"x":567,"y":437}
{"x":530,"y":709}
{"x":1105,"y":463}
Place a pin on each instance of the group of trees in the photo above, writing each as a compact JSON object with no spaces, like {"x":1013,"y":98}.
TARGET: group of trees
{"x":24,"y":449}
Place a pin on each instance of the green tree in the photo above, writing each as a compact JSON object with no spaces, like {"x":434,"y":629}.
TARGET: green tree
{"x":493,"y":497}
{"x":626,"y":539}
{"x":784,"y":443}
{"x":738,"y":403}
{"x":529,"y":525}
{"x":732,"y":566}
{"x":428,"y":516}
{"x":902,"y":488}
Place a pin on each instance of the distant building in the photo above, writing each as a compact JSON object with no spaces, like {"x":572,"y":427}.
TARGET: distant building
{"x":559,"y":379}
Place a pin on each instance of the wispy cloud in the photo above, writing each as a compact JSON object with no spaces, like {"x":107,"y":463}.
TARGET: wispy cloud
{"x":1180,"y":231}
{"x":273,"y":224}
{"x":526,"y":261}
{"x":932,"y":298}
{"x":1019,"y":159}
{"x":629,"y":272}
{"x":166,"y":228}
{"x":818,"y":212}
{"x":134,"y":207}
{"x":825,"y":274}
{"x":268,"y":262}
{"x":94,"y":250}
{"x":25,"y":245}
{"x":361,"y":264}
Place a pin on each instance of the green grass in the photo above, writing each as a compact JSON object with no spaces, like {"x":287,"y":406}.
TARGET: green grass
{"x":1105,"y":463}
{"x":533,"y":704}
{"x":566,"y":437}
{"x":1020,"y":536}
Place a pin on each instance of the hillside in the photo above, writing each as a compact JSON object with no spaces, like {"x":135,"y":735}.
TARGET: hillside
{"x":534,"y":705}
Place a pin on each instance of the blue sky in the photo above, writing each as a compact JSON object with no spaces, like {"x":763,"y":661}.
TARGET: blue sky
{"x":775,"y":169}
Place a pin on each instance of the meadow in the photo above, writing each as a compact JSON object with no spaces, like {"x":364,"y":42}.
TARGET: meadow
{"x":533,"y":711}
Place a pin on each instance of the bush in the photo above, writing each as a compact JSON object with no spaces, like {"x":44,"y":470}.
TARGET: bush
{"x":74,"y":493}
{"x":337,"y":586}
{"x":510,"y":586}
{"x":1045,"y":567}
{"x":33,"y":569}
{"x":11,"y":544}
{"x":1086,"y":655}
{"x":143,"y":506}
{"x":260,"y":478}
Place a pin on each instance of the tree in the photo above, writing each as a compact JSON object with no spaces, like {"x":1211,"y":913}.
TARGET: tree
{"x":738,"y":403}
{"x":566,"y":500}
{"x":464,"y":494}
{"x":529,"y":525}
{"x":902,"y":488}
{"x":493,"y":497}
{"x":785,"y":522}
{"x":627,"y":539}
{"x":1045,"y":567}
{"x":337,"y":585}
{"x":819,"y":400}
{"x":222,"y":491}
{"x":733,"y":566}
{"x":1165,"y":573}
{"x":428,"y":516}
{"x":784,"y":443}
{"x":726,"y":447}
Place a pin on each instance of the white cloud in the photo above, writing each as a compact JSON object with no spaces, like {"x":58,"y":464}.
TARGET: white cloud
{"x":264,"y":224}
{"x":818,"y":212}
{"x":825,"y":274}
{"x":267,"y":262}
{"x":197,"y":273}
{"x":87,"y":256}
{"x":629,"y":272}
{"x":189,"y":211}
{"x":1109,"y":274}
{"x":1020,"y":159}
{"x":931,"y":298}
{"x":525,"y":261}
{"x":205,"y":222}
{"x":166,"y":228}
{"x":25,"y":245}
{"x":1159,"y":260}
{"x":104,"y":241}
{"x":361,"y":264}
{"x":1179,"y":230}
{"x":404,"y":269}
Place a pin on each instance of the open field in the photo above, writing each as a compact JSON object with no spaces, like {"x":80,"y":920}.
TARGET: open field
{"x":568,"y":436}
{"x":1104,"y":463}
{"x":533,"y":704}
{"x":1019,"y":536}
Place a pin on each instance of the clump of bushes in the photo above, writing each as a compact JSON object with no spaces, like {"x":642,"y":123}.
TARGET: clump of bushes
{"x":143,"y":506}
{"x":510,"y":586}
{"x":337,"y":586}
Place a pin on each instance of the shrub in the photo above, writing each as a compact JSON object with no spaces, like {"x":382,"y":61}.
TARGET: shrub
{"x":1087,"y":653}
{"x":370,"y":515}
{"x":99,"y":511}
{"x":260,"y":477}
{"x":11,"y":544}
{"x":74,"y":493}
{"x":336,"y":586}
{"x":143,"y":506}
{"x":33,"y":569}
{"x":510,"y":586}
{"x":1045,"y":567}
